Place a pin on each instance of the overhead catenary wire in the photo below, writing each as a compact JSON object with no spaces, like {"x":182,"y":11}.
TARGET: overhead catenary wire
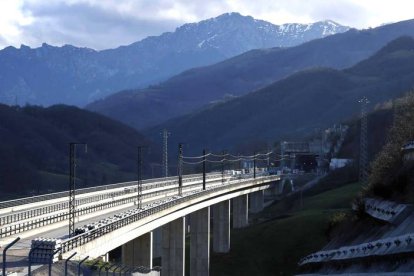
{"x":219,"y":155}
{"x":216,"y":161}
{"x":192,"y":163}
{"x":197,"y":157}
{"x":237,"y":158}
{"x":224,"y":160}
{"x":241,"y":156}
{"x":228,"y":155}
{"x":250,"y":156}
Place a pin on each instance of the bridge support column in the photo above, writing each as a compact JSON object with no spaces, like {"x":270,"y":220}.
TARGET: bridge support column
{"x":138,"y":252}
{"x":187,"y":225}
{"x":221,"y":227}
{"x":173,"y":248}
{"x":200,"y":242}
{"x":240,"y":211}
{"x":157,"y":242}
{"x":256,"y":201}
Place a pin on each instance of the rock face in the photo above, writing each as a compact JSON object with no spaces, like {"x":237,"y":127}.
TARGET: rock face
{"x":72,"y":75}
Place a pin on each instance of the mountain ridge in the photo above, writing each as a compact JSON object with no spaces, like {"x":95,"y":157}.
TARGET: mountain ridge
{"x":71,"y":75}
{"x":294,"y":106}
{"x":186,"y":92}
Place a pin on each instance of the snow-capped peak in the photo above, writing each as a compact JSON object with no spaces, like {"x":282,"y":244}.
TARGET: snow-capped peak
{"x":245,"y":33}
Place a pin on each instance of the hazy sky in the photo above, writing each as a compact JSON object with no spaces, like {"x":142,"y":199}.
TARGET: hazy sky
{"x":101,"y":24}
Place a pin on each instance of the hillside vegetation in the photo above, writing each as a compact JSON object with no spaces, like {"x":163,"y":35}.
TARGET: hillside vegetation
{"x":295,"y":106}
{"x":391,"y":177}
{"x":379,"y":123}
{"x":34,"y":149}
{"x":193,"y":89}
{"x":275,"y":246}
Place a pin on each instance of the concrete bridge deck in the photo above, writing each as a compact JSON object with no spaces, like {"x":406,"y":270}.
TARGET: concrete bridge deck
{"x":162,"y":210}
{"x":15,"y":223}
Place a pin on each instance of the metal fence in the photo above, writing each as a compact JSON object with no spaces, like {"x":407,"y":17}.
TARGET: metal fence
{"x":34,"y":212}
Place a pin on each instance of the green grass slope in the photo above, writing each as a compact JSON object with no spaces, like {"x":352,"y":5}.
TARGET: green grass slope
{"x":274,"y":247}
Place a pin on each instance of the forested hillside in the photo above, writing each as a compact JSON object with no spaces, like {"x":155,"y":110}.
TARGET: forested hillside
{"x":209,"y":85}
{"x":35,"y":151}
{"x":297,"y":105}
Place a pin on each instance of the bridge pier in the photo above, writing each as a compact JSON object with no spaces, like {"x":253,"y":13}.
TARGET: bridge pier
{"x":173,"y":248}
{"x":187,"y":225}
{"x":221,"y":227}
{"x":256,"y":201}
{"x":157,"y":242}
{"x":200,"y":242}
{"x":138,"y":252}
{"x":240,"y":211}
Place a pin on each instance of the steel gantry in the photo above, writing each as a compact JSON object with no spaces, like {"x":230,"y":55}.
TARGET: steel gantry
{"x":72,"y":185}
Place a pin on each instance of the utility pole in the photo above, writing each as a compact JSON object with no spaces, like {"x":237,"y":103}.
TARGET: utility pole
{"x":222,"y":166}
{"x":254,"y":165}
{"x":180,"y":169}
{"x":363,"y":152}
{"x":268,"y":162}
{"x":321,"y":157}
{"x":139,"y":177}
{"x":204,"y":169}
{"x":72,"y":185}
{"x":165,"y":135}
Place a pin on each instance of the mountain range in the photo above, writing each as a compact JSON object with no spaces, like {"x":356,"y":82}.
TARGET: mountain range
{"x":296,"y":105}
{"x":71,"y":75}
{"x":237,"y":76}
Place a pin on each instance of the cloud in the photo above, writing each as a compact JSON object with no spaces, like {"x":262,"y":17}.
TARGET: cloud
{"x":346,"y":12}
{"x":84,"y":24}
{"x":103,"y":24}
{"x":12,"y":19}
{"x":106,"y":24}
{"x":3,"y":41}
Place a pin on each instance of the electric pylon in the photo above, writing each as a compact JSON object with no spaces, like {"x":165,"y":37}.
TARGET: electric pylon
{"x":165,"y":135}
{"x":363,"y":151}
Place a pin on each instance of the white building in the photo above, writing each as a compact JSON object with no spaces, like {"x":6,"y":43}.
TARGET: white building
{"x":337,"y":163}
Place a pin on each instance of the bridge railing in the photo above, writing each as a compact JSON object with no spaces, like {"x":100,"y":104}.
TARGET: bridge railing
{"x":34,"y":212}
{"x":84,"y":238}
{"x":38,"y":198}
{"x":36,"y":223}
